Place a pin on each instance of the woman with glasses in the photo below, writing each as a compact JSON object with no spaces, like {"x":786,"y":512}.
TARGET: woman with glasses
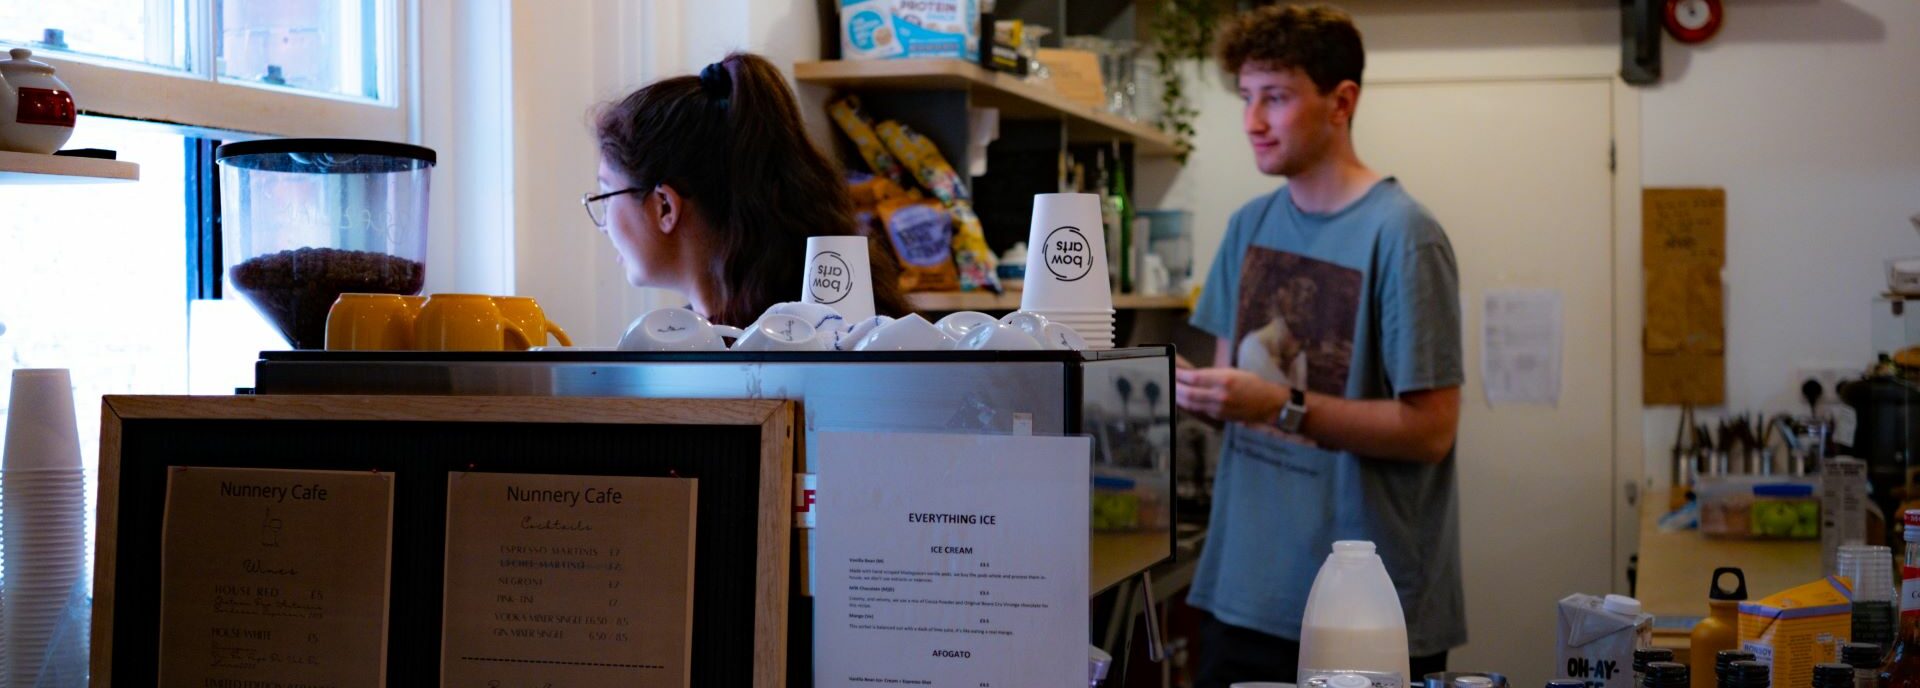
{"x":710,"y":187}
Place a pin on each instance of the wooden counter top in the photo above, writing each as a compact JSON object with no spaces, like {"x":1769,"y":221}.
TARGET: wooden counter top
{"x":1675,"y":568}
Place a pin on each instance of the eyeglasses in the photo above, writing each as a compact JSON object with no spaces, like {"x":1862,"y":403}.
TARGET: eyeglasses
{"x":596,"y":203}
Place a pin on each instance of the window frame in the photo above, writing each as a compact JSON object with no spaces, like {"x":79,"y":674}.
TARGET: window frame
{"x":198,"y":97}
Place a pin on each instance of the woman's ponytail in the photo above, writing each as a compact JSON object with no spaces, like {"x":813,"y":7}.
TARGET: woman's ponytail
{"x":733,"y":139}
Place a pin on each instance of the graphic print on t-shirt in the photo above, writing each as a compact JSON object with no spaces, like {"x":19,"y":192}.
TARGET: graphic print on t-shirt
{"x":1294,"y":322}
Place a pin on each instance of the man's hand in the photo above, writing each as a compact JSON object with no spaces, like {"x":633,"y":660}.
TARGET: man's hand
{"x":1229,"y":394}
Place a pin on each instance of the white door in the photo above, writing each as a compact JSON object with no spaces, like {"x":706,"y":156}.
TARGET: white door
{"x":1518,"y":174}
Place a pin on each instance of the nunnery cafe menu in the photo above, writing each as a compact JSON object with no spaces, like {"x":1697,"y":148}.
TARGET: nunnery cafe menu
{"x":275,"y":578}
{"x":568,"y":581}
{"x":955,"y":561}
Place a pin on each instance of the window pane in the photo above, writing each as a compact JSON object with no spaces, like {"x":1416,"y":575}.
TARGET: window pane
{"x":332,"y":46}
{"x":93,"y":278}
{"x":149,"y":31}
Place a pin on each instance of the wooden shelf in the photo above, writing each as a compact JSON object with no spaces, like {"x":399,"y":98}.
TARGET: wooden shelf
{"x":34,"y":168}
{"x":949,"y":301}
{"x":1013,"y":96}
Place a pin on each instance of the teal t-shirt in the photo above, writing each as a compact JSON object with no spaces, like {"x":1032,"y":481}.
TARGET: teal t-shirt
{"x":1362,"y":303}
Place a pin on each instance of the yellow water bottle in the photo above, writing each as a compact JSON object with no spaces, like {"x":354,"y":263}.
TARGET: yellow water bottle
{"x":1720,"y":630}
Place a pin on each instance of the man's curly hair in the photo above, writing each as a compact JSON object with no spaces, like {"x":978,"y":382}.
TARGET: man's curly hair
{"x":1320,"y":40}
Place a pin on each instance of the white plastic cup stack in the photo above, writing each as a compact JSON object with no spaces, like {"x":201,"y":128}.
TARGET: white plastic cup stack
{"x":43,"y":526}
{"x":1067,"y":266}
{"x":839,"y":276}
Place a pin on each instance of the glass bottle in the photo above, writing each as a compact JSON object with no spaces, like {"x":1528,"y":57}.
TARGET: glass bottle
{"x":1644,"y":656}
{"x":1747,"y":673}
{"x":1832,"y":675}
{"x":1723,"y":662}
{"x":1865,"y":659}
{"x":1665,"y":675}
{"x":1903,"y":667}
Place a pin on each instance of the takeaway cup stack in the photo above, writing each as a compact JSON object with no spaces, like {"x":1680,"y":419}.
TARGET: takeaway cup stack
{"x":1066,"y":280}
{"x":43,"y":528}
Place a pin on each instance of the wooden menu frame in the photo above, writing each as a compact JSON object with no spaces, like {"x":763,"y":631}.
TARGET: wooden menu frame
{"x":741,"y":450}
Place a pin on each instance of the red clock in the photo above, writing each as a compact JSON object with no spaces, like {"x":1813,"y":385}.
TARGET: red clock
{"x":1694,"y":21}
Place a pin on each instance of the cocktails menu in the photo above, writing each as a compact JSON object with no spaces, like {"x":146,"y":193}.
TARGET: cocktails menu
{"x":568,"y":581}
{"x":275,"y":577}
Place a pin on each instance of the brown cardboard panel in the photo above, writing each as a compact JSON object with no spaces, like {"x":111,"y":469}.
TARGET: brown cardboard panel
{"x":1685,"y":378}
{"x":1684,"y":247}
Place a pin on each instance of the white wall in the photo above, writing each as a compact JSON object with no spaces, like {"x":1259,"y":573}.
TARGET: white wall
{"x":565,"y":58}
{"x":1808,"y":112}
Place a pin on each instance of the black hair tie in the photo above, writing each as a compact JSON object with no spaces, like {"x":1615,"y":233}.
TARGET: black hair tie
{"x":717,"y":83}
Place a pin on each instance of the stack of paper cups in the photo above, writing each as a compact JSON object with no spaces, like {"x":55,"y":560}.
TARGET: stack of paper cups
{"x":43,"y":526}
{"x":1067,"y":266}
{"x":839,"y":276}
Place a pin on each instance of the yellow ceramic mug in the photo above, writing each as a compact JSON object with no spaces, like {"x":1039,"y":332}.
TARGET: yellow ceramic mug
{"x":369,"y":322}
{"x":532,"y":319}
{"x":465,"y":322}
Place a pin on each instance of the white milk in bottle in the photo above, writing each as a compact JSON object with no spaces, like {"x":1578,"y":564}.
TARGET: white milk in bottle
{"x":1353,"y":622}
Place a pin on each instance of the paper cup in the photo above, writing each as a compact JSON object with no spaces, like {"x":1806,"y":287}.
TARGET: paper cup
{"x":839,"y":275}
{"x":1066,"y":255}
{"x":41,"y":433}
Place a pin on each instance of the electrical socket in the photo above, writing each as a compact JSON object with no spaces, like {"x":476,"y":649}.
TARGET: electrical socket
{"x":1829,"y":374}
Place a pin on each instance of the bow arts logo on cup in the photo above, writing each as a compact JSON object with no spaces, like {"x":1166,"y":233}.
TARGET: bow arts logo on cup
{"x":1068,"y":255}
{"x":829,"y":279}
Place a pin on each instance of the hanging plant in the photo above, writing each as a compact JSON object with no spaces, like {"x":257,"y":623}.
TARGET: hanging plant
{"x":1182,"y":32}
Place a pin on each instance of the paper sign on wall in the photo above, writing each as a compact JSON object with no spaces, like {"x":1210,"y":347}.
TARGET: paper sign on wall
{"x":1520,"y":346}
{"x":1684,"y":249}
{"x":951,"y":560}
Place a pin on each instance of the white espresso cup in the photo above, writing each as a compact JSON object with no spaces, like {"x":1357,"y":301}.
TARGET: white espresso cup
{"x":1032,"y":323}
{"x":999,"y":336}
{"x":847,"y":338}
{"x":1058,"y":337}
{"x":957,"y":325}
{"x":675,"y":329}
{"x":911,"y":333}
{"x":821,"y":317}
{"x":838,"y":274}
{"x":783,"y":332}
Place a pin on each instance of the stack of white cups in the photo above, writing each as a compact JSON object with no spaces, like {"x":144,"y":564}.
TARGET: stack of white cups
{"x":43,"y":525}
{"x":1066,"y":279}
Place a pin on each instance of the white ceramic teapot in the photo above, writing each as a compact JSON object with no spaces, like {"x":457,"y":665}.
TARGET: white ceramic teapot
{"x":37,"y":112}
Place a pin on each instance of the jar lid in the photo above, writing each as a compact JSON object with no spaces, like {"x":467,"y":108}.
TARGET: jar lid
{"x":325,"y":156}
{"x":23,"y":59}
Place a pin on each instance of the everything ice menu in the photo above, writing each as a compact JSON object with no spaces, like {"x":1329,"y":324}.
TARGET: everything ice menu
{"x":954,"y":561}
{"x":275,"y":577}
{"x":565,"y":581}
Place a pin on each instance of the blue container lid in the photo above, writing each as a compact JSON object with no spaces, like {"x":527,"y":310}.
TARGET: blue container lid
{"x":1783,"y":490}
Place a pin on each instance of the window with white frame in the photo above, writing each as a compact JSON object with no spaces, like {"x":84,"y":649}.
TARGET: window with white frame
{"x":280,"y":67}
{"x":102,"y":278}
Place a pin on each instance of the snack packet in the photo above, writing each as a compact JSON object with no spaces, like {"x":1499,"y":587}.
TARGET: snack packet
{"x":979,"y":268}
{"x":975,"y":262}
{"x":858,"y":128}
{"x":923,"y":161}
{"x":921,"y":234}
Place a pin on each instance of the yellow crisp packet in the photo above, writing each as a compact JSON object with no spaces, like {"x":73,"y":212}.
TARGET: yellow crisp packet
{"x":979,"y":267}
{"x":977,"y":264}
{"x":858,"y":128}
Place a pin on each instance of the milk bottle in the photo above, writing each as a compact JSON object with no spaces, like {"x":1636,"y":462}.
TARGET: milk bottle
{"x":1353,"y":622}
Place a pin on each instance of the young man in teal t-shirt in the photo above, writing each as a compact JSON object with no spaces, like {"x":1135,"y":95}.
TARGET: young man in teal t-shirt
{"x":1335,"y":301}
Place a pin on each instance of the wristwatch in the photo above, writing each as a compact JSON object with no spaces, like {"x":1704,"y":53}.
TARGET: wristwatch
{"x":1294,"y":414}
